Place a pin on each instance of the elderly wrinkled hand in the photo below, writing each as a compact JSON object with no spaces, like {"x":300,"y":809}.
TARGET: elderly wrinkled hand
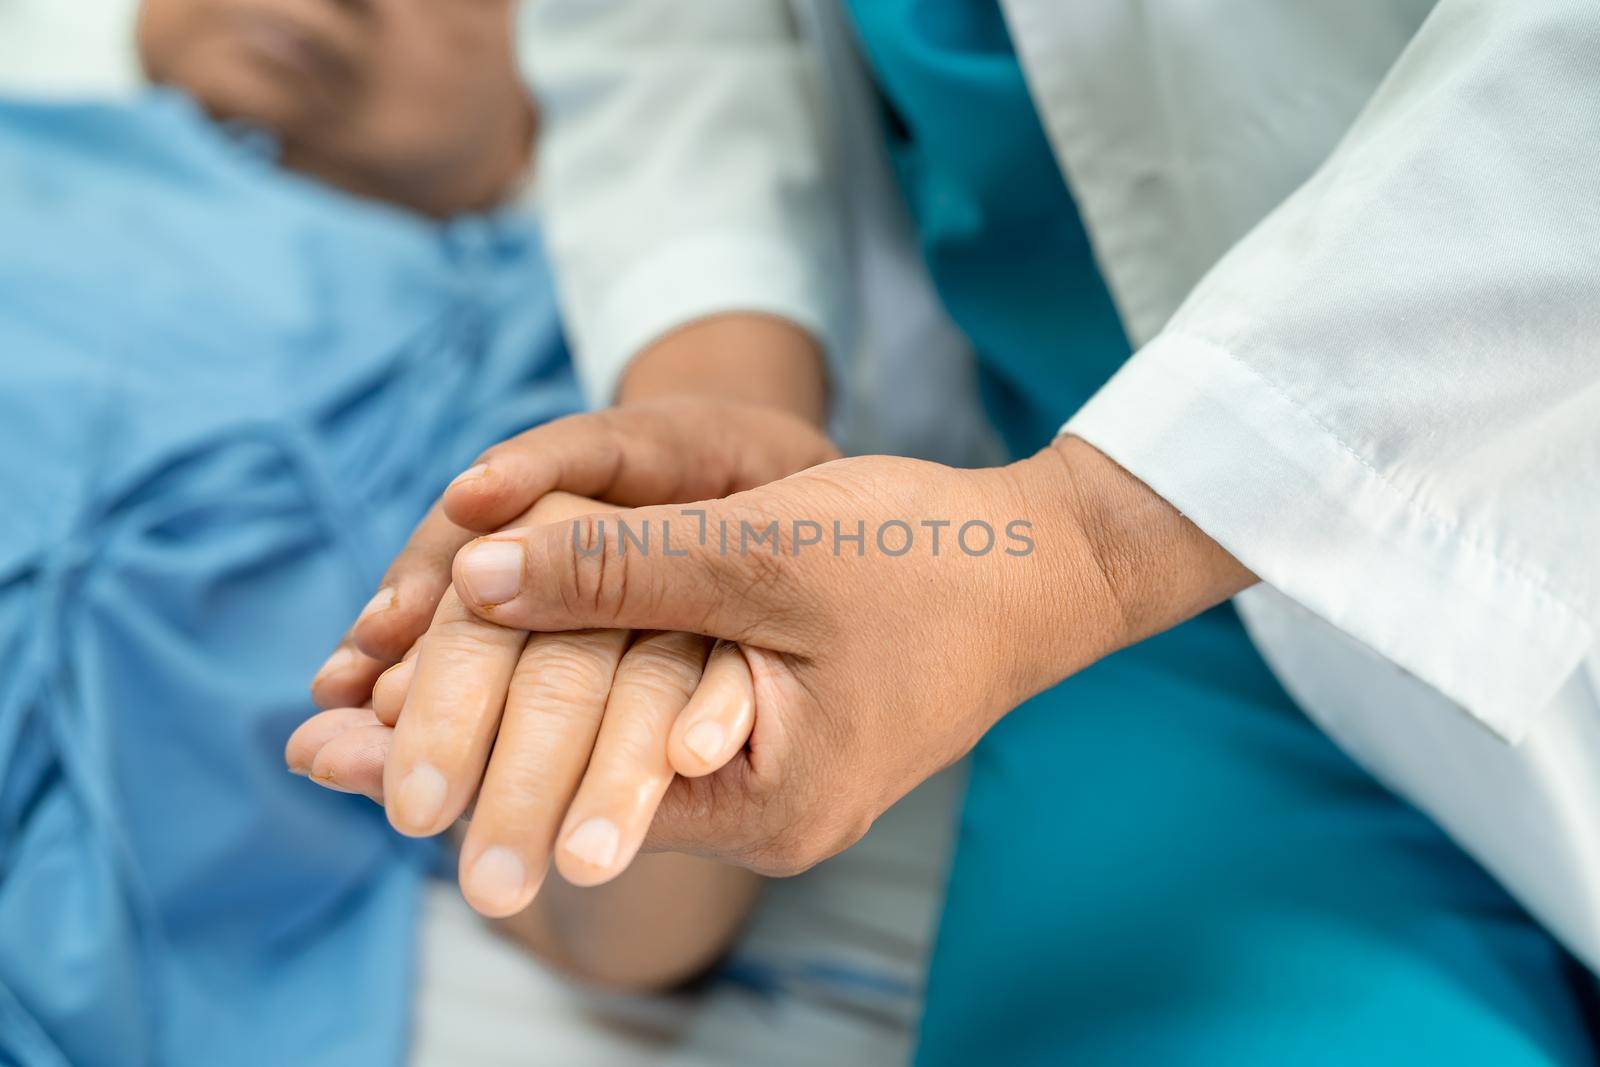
{"x":566,"y":742}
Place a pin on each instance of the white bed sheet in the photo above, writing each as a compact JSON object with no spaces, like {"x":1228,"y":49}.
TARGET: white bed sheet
{"x":870,"y":912}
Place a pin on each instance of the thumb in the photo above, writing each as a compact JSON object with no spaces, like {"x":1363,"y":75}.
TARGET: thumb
{"x":712,"y":568}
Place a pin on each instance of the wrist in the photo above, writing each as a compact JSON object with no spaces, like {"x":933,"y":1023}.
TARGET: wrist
{"x":742,"y":358}
{"x":1119,"y":563}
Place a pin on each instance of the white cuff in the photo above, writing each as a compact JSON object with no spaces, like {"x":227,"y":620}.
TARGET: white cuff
{"x":693,"y":278}
{"x":1277,"y":488}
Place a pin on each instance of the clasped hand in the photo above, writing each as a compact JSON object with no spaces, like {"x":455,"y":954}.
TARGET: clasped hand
{"x":872,"y":618}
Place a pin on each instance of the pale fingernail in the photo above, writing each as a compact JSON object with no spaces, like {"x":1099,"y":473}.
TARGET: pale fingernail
{"x":420,"y":798}
{"x":497,"y":881}
{"x":382,"y":600}
{"x":706,"y":740}
{"x":476,"y":471}
{"x":492,"y":571}
{"x":341,"y":659}
{"x":595,"y":842}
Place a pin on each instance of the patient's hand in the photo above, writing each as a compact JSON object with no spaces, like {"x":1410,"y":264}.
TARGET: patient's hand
{"x":566,"y":742}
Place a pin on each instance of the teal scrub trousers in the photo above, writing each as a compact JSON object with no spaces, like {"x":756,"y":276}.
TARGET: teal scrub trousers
{"x":1162,"y":861}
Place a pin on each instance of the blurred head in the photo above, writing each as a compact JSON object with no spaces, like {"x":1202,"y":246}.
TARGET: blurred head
{"x":414,"y":101}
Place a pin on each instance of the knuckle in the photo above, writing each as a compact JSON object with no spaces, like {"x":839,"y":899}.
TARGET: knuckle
{"x":660,"y":673}
{"x":634,"y":751}
{"x":762,"y":566}
{"x":601,"y":581}
{"x":560,"y":665}
{"x":766,"y":543}
{"x":658,"y":686}
{"x":558,"y":691}
{"x":468,"y":637}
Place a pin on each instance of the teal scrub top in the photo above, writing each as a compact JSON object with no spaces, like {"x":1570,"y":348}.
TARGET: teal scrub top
{"x":1154,"y":856}
{"x":998,"y":226}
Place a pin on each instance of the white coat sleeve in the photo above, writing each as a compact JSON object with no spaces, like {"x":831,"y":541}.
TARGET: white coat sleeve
{"x":1385,"y":401}
{"x":70,"y":51}
{"x":684,"y":171}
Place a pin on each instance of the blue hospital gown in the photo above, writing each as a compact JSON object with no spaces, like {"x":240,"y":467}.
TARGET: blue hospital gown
{"x":226,"y":395}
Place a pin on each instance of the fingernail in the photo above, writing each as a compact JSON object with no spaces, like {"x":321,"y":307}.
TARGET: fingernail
{"x":420,"y":798}
{"x":476,"y":471}
{"x":595,"y":842}
{"x":295,"y":768}
{"x":497,"y":880}
{"x":705,"y":740}
{"x":492,"y":571}
{"x":382,"y":600}
{"x":341,"y":659}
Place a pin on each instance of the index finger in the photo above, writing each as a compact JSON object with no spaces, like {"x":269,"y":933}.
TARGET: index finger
{"x":580,"y":454}
{"x":645,"y":454}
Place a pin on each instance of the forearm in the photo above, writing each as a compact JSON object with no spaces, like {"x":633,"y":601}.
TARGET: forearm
{"x":659,"y":924}
{"x":750,"y":358}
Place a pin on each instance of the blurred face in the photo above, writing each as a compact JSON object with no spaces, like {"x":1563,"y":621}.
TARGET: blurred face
{"x":414,"y":101}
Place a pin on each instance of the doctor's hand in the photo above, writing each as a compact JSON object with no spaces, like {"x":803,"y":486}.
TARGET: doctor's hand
{"x":724,"y":404}
{"x":890,"y":612}
{"x":664,"y":451}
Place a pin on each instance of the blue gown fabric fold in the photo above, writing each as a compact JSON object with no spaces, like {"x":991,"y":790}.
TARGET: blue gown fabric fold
{"x":226,"y":395}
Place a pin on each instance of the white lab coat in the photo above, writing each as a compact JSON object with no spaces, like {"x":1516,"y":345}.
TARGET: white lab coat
{"x":1358,"y":245}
